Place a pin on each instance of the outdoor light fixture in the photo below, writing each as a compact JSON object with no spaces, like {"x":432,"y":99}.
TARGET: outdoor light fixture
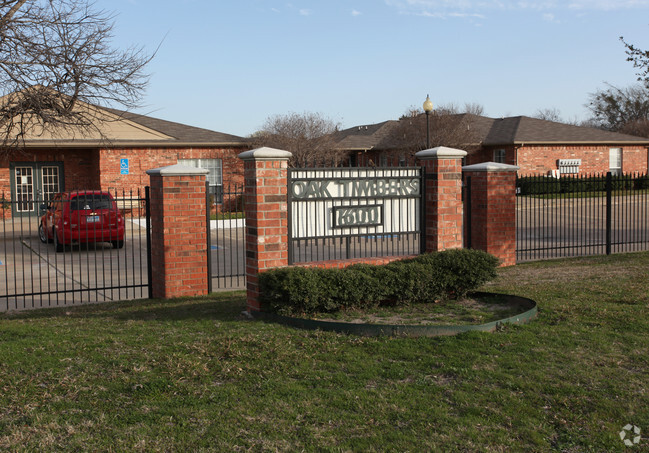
{"x":428,"y":107}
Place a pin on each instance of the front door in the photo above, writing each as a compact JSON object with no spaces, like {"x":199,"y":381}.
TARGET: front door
{"x":34,"y":183}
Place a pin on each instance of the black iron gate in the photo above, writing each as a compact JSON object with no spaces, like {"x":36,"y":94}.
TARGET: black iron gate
{"x":581,"y":215}
{"x":354,"y":212}
{"x":91,"y":255}
{"x":226,"y":238}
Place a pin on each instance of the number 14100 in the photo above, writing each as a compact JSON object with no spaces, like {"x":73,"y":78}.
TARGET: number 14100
{"x":356,"y":216}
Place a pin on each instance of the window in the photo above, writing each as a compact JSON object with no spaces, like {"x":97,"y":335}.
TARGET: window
{"x":615,"y":161}
{"x":214,"y":177}
{"x":499,"y":156}
{"x":91,"y":202}
{"x":34,"y":183}
{"x":49,"y":182}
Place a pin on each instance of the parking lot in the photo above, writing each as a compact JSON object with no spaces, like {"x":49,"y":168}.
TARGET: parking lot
{"x":565,"y":227}
{"x":34,"y":275}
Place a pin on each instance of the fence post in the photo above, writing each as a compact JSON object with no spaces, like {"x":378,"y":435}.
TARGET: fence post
{"x":493,"y":209}
{"x":443,"y":193}
{"x":609,"y":210}
{"x":147,"y":222}
{"x":178,"y":242}
{"x":265,"y":202}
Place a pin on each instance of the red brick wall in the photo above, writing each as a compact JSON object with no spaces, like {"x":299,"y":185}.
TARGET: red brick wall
{"x":443,"y":199}
{"x":178,"y":236}
{"x":540,"y":159}
{"x":493,"y":214}
{"x":341,"y":264}
{"x":85,"y":169}
{"x":266,"y":221}
{"x":80,"y":166}
{"x":141,"y":160}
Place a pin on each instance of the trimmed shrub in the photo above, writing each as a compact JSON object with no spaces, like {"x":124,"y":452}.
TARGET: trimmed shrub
{"x":429,"y":277}
{"x":641,"y":182}
{"x":537,"y":185}
{"x":545,"y":185}
{"x":463,"y":270}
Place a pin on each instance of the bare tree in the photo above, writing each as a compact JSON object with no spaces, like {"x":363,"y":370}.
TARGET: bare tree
{"x":447,"y":128}
{"x":56,"y":60}
{"x":614,"y":108}
{"x":640,"y":60}
{"x":307,"y":135}
{"x":473,"y":108}
{"x":549,"y":114}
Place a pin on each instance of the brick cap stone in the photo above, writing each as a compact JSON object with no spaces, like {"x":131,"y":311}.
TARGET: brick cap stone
{"x":265,"y":153}
{"x":177,"y":170}
{"x":491,"y":167}
{"x":441,"y":152}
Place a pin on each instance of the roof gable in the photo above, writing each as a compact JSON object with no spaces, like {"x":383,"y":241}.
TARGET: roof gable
{"x":112,"y":127}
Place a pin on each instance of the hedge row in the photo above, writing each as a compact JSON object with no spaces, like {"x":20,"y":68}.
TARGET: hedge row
{"x":429,"y":277}
{"x":540,"y":185}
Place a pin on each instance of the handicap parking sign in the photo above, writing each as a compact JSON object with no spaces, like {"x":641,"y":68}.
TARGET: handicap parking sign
{"x":123,"y":166}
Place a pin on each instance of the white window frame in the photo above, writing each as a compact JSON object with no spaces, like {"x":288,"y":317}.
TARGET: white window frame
{"x":615,"y":161}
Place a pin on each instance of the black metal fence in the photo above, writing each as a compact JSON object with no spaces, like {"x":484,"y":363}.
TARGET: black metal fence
{"x":345,"y":213}
{"x":226,"y":239}
{"x":581,"y":215}
{"x":91,"y":255}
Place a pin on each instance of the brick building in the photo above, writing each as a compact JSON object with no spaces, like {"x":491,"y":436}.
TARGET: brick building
{"x":538,"y":147}
{"x":115,"y":155}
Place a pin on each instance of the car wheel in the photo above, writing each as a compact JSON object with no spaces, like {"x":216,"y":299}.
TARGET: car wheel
{"x":117,"y":244}
{"x":42,"y":235}
{"x":57,"y":245}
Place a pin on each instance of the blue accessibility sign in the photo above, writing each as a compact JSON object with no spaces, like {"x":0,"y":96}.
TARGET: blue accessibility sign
{"x":123,"y":166}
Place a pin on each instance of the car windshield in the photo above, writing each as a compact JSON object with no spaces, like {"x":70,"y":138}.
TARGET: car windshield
{"x":91,"y":201}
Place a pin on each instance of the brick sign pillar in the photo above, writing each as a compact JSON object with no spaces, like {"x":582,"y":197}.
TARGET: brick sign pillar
{"x":178,"y":231}
{"x":444,"y":211}
{"x":265,"y":204}
{"x":493,"y":209}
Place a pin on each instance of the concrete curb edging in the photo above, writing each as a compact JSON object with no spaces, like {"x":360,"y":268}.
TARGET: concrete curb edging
{"x":406,"y":330}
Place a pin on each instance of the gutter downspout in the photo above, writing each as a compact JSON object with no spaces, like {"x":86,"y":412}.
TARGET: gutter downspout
{"x":516,"y":148}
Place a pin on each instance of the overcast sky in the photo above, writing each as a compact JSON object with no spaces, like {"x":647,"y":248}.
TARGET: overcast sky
{"x":227,"y":65}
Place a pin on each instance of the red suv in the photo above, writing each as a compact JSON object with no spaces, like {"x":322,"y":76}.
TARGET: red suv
{"x":83,"y":216}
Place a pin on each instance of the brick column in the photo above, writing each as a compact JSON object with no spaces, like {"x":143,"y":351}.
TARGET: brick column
{"x":493,"y":209}
{"x":265,"y":204}
{"x":178,"y":231}
{"x":444,"y":211}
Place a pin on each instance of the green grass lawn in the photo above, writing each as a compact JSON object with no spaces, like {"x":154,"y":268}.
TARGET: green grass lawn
{"x":193,"y":375}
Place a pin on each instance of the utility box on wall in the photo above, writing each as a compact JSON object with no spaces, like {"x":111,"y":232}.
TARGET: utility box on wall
{"x":569,"y":166}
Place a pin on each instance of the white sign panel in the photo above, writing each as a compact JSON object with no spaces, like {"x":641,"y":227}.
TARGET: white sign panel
{"x":354,"y":201}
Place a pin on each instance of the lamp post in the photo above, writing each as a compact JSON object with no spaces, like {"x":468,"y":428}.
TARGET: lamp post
{"x":428,"y":107}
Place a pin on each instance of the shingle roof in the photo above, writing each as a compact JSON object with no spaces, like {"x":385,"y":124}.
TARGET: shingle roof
{"x":523,"y":129}
{"x":181,"y":132}
{"x":491,"y":132}
{"x":364,"y":137}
